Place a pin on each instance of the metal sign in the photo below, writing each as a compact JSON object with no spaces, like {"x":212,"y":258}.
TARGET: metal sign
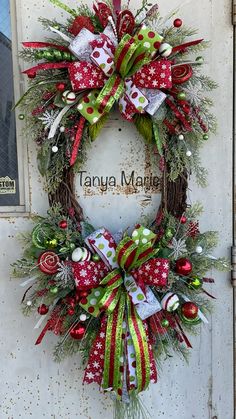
{"x":7,"y":185}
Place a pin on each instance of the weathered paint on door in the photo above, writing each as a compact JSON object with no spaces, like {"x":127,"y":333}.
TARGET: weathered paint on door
{"x":32,"y":386}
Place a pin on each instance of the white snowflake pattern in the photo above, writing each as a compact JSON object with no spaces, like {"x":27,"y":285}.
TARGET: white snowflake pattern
{"x":155,"y":83}
{"x":85,"y":70}
{"x":87,"y":282}
{"x":143,"y":75}
{"x":102,"y":335}
{"x":163,"y":67}
{"x":163,"y":75}
{"x":163,"y":85}
{"x":194,"y":93}
{"x":90,"y":375}
{"x":147,"y":267}
{"x":78,"y":76}
{"x":166,"y":265}
{"x":96,"y":364}
{"x":48,"y":118}
{"x":83,"y":273}
{"x":64,"y":275}
{"x":152,"y":71}
{"x":91,"y":82}
{"x":99,"y":345}
{"x":94,"y":73}
{"x":179,"y":247}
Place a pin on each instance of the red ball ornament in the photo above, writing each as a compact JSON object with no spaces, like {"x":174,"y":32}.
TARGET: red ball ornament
{"x":183,"y":267}
{"x":71,"y":311}
{"x":70,"y":301}
{"x":84,"y":294}
{"x":78,"y":331}
{"x":43,"y":309}
{"x":63,"y":224}
{"x":178,"y":23}
{"x":189,"y":310}
{"x":60,"y":87}
{"x":32,"y":75}
{"x":183,"y":219}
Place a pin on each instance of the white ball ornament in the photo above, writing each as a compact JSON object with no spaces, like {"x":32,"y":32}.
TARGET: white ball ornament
{"x":188,"y":153}
{"x":170,"y":302}
{"x":55,"y":149}
{"x":165,"y":50}
{"x":77,"y":255}
{"x":199,"y":249}
{"x":68,"y":97}
{"x":80,"y":254}
{"x":83,"y":317}
{"x":62,"y":129}
{"x":181,"y":137}
{"x":29,"y":303}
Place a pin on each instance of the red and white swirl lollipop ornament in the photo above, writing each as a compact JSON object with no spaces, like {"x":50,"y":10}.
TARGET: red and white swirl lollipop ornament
{"x":181,"y":73}
{"x":48,"y":263}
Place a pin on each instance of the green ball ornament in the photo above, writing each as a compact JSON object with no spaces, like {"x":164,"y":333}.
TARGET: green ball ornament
{"x":54,"y":290}
{"x":195,"y":283}
{"x":181,"y":96}
{"x":165,"y":323}
{"x":168,"y":234}
{"x":199,"y":60}
{"x":52,"y":243}
{"x":96,"y":258}
{"x":21,"y":116}
{"x":205,"y":137}
{"x":63,"y":250}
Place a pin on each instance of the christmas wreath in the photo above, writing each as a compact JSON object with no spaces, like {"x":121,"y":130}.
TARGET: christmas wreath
{"x":121,"y":300}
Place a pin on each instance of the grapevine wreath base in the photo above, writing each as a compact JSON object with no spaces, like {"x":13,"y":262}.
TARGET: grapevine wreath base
{"x":123,"y":301}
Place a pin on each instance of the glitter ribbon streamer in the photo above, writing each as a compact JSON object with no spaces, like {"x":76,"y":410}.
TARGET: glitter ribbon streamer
{"x":44,"y":45}
{"x":46,"y":66}
{"x":182,"y":47}
{"x":77,"y":141}
{"x":179,"y":115}
{"x":64,"y":7}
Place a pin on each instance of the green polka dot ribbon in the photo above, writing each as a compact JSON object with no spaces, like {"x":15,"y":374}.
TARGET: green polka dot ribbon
{"x":131,"y":54}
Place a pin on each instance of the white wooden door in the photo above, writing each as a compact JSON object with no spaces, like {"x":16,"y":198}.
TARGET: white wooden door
{"x":32,"y":385}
